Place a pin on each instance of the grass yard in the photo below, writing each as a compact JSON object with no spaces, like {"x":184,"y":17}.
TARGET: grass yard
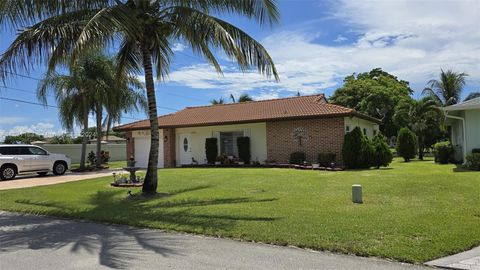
{"x":413,"y":211}
{"x":111,"y":164}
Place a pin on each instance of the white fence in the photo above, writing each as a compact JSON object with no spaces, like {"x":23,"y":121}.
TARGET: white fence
{"x":117,"y":151}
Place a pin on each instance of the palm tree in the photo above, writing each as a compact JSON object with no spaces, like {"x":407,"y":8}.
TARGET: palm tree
{"x":448,"y":89}
{"x":420,"y":116}
{"x":241,"y":98}
{"x":92,"y":85}
{"x":144,"y":30}
{"x":217,"y":101}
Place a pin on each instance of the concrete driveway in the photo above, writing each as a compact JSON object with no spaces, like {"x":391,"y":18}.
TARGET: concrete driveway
{"x":33,"y":242}
{"x":33,"y":180}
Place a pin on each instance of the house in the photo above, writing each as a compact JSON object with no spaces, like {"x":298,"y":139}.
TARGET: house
{"x":464,"y":122}
{"x":276,"y":128}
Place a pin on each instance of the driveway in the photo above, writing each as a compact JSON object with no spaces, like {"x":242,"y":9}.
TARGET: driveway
{"x":33,"y":242}
{"x":33,"y":180}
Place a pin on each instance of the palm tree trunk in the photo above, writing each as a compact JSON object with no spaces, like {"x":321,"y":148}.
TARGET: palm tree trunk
{"x":420,"y":148}
{"x":99,"y":134}
{"x":150,"y":182}
{"x":85,"y":132}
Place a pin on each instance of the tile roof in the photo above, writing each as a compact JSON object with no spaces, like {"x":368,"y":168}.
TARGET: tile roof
{"x":314,"y":106}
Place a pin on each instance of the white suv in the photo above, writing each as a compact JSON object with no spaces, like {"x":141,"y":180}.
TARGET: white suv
{"x":15,"y":159}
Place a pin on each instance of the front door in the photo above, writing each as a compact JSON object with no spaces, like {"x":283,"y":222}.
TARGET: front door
{"x":185,"y":148}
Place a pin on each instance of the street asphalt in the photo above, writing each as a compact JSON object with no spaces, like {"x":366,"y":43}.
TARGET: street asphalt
{"x":36,"y":242}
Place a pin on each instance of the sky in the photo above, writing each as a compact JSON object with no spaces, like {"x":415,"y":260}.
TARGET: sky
{"x":314,"y":46}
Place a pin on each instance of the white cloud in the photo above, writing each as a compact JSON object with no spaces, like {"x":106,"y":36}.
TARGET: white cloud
{"x":410,"y":39}
{"x":178,"y":47}
{"x":340,"y":38}
{"x":10,"y":120}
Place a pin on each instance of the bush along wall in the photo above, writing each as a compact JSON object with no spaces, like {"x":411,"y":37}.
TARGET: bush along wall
{"x":326,"y":159}
{"x":359,"y":152}
{"x":211,"y":149}
{"x":297,"y":158}
{"x":443,"y":152}
{"x":473,"y":161}
{"x":406,"y":144}
{"x":243,"y":145}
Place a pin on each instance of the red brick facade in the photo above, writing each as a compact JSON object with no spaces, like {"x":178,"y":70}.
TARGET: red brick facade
{"x":311,"y":136}
{"x":130,"y":145}
{"x":169,"y":147}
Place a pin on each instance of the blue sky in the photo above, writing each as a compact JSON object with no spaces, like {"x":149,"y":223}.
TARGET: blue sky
{"x":316,"y":45}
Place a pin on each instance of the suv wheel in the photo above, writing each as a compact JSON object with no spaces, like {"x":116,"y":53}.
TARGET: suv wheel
{"x":8,"y":172}
{"x":59,"y":168}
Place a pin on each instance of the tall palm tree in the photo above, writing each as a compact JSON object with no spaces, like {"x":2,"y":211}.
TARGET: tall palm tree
{"x":448,"y":89}
{"x":420,"y":116}
{"x":145,"y":31}
{"x":244,"y":98}
{"x":92,"y":86}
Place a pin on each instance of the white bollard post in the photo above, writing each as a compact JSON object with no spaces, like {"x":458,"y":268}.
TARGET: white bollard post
{"x":357,"y":193}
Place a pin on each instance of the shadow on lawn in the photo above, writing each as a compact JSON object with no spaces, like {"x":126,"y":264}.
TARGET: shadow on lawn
{"x":117,"y":246}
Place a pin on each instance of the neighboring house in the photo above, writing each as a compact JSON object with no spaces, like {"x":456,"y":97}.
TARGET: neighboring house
{"x":276,"y":128}
{"x":464,"y":120}
{"x":111,"y":139}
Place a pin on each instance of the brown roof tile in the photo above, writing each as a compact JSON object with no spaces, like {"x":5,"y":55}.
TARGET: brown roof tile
{"x":314,"y":106}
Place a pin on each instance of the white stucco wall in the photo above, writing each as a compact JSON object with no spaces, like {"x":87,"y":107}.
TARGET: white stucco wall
{"x":353,"y":122}
{"x":256,"y":131}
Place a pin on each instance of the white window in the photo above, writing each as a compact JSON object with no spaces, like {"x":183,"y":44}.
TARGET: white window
{"x":228,"y":142}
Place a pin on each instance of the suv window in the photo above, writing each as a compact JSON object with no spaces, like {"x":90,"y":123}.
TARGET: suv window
{"x":36,"y":151}
{"x":9,"y":150}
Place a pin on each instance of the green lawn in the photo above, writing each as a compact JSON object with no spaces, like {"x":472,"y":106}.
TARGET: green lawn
{"x":413,"y":211}
{"x":111,"y":164}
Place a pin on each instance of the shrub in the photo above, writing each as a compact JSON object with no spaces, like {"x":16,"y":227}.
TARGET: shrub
{"x":326,"y":159}
{"x":367,"y":154}
{"x":105,"y":155}
{"x":211,"y":149}
{"x":297,"y":158}
{"x":473,"y":161}
{"x":243,"y":145}
{"x":383,"y":156}
{"x":475,"y":150}
{"x":406,"y":144}
{"x":443,"y":152}
{"x":92,"y":158}
{"x":352,"y":148}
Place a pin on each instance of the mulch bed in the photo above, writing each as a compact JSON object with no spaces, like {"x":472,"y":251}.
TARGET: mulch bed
{"x":125,"y":185}
{"x":286,"y":166}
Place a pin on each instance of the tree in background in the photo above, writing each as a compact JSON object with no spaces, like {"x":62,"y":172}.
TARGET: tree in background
{"x":424,"y":118}
{"x":61,"y":139}
{"x":375,"y":93}
{"x":217,"y":101}
{"x":406,"y":144}
{"x":448,"y":89}
{"x":92,"y":85}
{"x":24,"y":138}
{"x":241,"y":98}
{"x":472,"y":96}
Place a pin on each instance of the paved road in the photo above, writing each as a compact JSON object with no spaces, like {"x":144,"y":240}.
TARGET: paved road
{"x":33,"y":180}
{"x":32,"y":242}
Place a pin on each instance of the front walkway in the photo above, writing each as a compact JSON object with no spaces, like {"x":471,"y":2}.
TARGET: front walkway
{"x":33,"y":242}
{"x":468,"y":260}
{"x":23,"y":181}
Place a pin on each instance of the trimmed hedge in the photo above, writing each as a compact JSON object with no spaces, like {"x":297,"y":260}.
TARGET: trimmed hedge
{"x":383,"y":156}
{"x":359,"y":152}
{"x":297,"y":158}
{"x":243,"y":145}
{"x":326,"y":159}
{"x":443,"y":152}
{"x":476,"y":151}
{"x":211,"y":149}
{"x":406,"y":144}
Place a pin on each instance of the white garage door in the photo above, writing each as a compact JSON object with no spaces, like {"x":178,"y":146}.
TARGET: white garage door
{"x":142,"y":149}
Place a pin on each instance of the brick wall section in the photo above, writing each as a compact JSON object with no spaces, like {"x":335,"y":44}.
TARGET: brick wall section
{"x":321,"y":135}
{"x":169,"y":147}
{"x":130,"y":145}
